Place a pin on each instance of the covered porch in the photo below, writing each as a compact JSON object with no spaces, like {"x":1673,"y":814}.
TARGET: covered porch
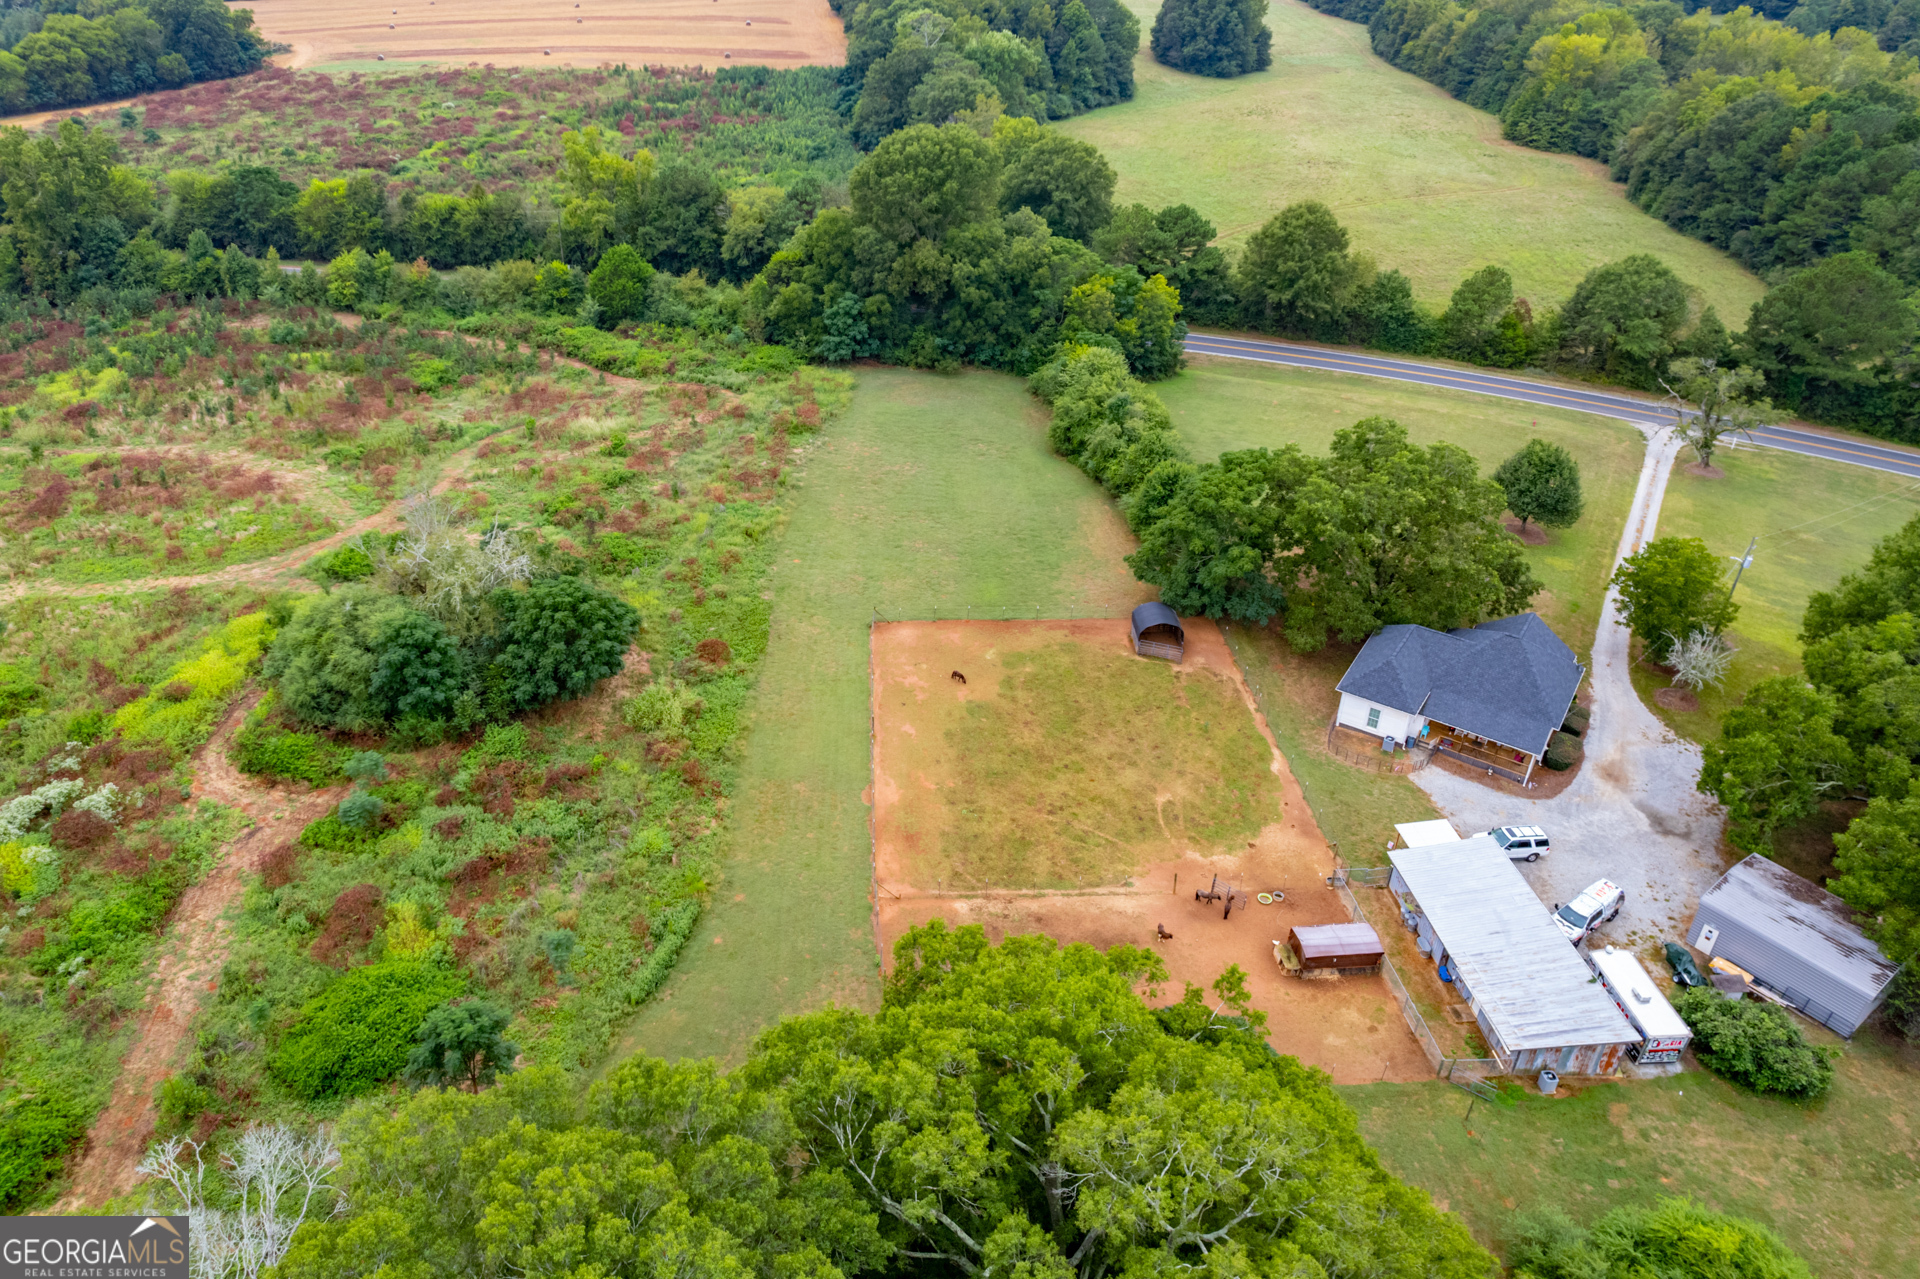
{"x":1482,"y":752}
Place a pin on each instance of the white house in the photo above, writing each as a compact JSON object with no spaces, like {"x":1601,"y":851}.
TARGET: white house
{"x":1492,"y":694}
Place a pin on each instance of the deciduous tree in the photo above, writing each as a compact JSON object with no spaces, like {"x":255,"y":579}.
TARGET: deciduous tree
{"x":1777,"y":757}
{"x":1542,"y":484}
{"x":1711,"y":402}
{"x":1673,"y":586}
{"x":461,"y":1044}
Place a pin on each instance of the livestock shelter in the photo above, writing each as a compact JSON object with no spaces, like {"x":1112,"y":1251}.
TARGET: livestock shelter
{"x":1535,"y":1000}
{"x":1337,"y":948}
{"x":1492,"y":695}
{"x":1797,"y":939}
{"x":1157,"y":632}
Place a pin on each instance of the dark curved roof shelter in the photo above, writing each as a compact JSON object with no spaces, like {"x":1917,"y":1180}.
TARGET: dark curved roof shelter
{"x":1157,"y":632}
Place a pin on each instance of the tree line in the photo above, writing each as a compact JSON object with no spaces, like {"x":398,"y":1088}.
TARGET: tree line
{"x":1378,"y":532}
{"x":1780,"y":146}
{"x":55,"y":54}
{"x":911,"y":64}
{"x":960,"y":243}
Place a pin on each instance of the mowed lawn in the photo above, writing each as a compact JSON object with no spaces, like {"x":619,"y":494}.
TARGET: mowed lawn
{"x":1816,"y":521}
{"x":1221,"y":404}
{"x":1836,"y":1179}
{"x":933,"y":493}
{"x":1424,"y":183}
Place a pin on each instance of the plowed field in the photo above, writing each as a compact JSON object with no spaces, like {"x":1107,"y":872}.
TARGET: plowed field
{"x":711,"y":33}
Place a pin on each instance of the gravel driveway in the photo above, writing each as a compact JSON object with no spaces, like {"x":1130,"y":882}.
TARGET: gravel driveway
{"x":1632,"y":814}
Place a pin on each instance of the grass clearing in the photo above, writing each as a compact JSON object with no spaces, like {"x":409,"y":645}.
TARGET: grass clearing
{"x":1816,"y":520}
{"x":1063,"y":760}
{"x":1833,"y":1178}
{"x":1221,"y":404}
{"x":1424,"y":183}
{"x":933,"y":493}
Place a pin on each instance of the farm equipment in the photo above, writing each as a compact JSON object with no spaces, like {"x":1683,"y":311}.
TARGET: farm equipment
{"x":1218,"y":891}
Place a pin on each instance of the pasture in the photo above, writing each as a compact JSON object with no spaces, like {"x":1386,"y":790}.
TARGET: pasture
{"x":932,"y":493}
{"x":591,"y":33}
{"x":1424,"y":183}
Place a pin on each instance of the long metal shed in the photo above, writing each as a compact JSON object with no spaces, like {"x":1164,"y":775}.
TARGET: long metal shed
{"x":1797,"y":939}
{"x":1537,"y":1003}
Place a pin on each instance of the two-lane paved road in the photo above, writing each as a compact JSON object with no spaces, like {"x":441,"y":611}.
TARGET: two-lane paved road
{"x":1620,"y":404}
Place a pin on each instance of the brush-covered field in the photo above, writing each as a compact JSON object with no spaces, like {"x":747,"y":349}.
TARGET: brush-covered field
{"x":448,"y":130}
{"x":1424,"y":183}
{"x":551,"y":863}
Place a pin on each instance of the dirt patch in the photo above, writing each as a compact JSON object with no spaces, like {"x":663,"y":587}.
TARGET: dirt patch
{"x":1350,"y":1027}
{"x":1530,"y":533}
{"x":1705,"y":472}
{"x":711,"y":33}
{"x":185,"y":973}
{"x":1677,"y":698}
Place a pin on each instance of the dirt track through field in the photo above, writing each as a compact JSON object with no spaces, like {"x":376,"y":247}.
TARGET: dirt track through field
{"x":186,"y":973}
{"x":709,"y":33}
{"x":1348,"y":1027}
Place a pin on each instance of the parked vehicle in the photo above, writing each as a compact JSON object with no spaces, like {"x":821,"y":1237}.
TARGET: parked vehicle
{"x":1663,"y":1035}
{"x":1685,"y":971}
{"x":1523,"y":843}
{"x":1597,"y":904}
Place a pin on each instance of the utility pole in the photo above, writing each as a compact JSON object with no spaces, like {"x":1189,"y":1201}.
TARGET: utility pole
{"x":1743,"y":562}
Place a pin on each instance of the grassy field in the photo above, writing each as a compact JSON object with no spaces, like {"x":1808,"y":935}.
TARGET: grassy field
{"x":1129,"y":761}
{"x":1833,"y":1178}
{"x":1816,"y":520}
{"x":1235,"y":404}
{"x":934,"y":493}
{"x":1423,"y":182}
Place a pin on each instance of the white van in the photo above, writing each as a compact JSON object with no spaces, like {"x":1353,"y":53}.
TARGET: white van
{"x":1597,"y":904}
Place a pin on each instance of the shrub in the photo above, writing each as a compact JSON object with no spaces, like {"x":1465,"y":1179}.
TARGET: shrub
{"x":461,"y":1044}
{"x":1756,"y":1045}
{"x":665,"y":706}
{"x":417,"y":667}
{"x":177,"y":1102}
{"x":358,"y":1032}
{"x":343,"y":564}
{"x":265,"y":750}
{"x":361,"y":810}
{"x":1578,"y":717}
{"x":87,"y":727}
{"x":18,"y":690}
{"x":78,"y":828}
{"x":558,"y":638}
{"x":36,"y":1127}
{"x":1563,"y":752}
{"x":1673,"y":1239}
{"x":331,"y":835}
{"x":366,"y":767}
{"x":502,"y":742}
{"x":28,"y":871}
{"x":1902,"y":1008}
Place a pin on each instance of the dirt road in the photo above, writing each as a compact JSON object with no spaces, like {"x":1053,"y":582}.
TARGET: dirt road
{"x":187,"y":971}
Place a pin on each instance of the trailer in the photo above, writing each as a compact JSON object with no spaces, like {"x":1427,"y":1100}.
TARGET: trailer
{"x":1663,"y":1035}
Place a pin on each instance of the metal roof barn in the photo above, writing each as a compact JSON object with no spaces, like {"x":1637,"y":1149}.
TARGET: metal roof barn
{"x":1535,"y":999}
{"x":1797,"y":939}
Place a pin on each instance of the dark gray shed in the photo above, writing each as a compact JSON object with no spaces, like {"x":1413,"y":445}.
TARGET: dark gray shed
{"x":1157,"y":632}
{"x":1797,"y":939}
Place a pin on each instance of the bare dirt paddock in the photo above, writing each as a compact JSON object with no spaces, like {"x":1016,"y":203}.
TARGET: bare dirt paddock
{"x":1132,"y":779}
{"x":710,"y":33}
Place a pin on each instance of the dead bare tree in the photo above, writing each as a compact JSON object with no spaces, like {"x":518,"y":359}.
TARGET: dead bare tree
{"x":275,"y":1178}
{"x":1700,"y":660}
{"x":449,"y":570}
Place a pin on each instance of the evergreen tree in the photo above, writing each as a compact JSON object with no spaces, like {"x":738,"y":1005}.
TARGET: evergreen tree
{"x":1221,"y":38}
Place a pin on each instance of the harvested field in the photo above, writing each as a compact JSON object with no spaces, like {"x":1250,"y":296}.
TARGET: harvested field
{"x":712,"y":33}
{"x":1064,"y":758}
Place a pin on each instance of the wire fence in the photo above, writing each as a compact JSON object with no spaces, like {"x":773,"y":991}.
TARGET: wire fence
{"x":1053,"y":611}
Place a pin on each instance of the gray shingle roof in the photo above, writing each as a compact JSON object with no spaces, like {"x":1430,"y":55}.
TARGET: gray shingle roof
{"x":1510,"y":679}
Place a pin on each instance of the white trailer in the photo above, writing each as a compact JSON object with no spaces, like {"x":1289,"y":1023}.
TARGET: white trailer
{"x":1663,"y":1035}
